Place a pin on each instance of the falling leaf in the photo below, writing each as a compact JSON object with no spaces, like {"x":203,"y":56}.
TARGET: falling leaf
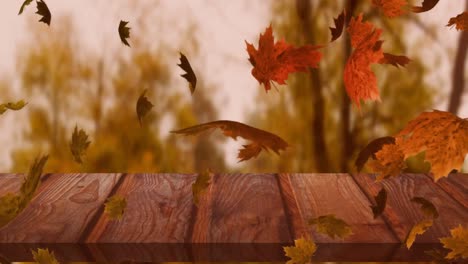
{"x":381,"y":200}
{"x":391,"y":8}
{"x":143,"y":106}
{"x":43,"y":11}
{"x":124,"y":32}
{"x":395,"y":60}
{"x":388,"y":162}
{"x":301,"y":252}
{"x":199,"y":187}
{"x":417,"y":229}
{"x":460,"y":21}
{"x":339,"y":25}
{"x":457,"y":243}
{"x":12,"y":106}
{"x":444,"y":137}
{"x":43,"y":256}
{"x":426,"y":6}
{"x":373,"y":147}
{"x":9,"y":207}
{"x":189,"y":75}
{"x":79,"y":143}
{"x":360,"y":82}
{"x":426,"y":207}
{"x":23,"y":6}
{"x":261,"y":139}
{"x":331,"y":226}
{"x":115,"y":207}
{"x":275,"y":61}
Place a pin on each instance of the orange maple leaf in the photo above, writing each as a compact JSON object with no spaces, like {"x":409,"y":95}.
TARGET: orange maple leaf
{"x":444,"y":137}
{"x":460,"y":21}
{"x":359,"y":80}
{"x":274,"y":61}
{"x":391,"y":8}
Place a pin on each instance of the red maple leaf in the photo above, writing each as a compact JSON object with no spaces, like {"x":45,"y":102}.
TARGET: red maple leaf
{"x":274,"y":61}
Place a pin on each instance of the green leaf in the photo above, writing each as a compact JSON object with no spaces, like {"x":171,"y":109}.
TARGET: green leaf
{"x":43,"y":256}
{"x":115,"y":207}
{"x":124,"y":32}
{"x":79,"y":144}
{"x":143,"y":106}
{"x":301,"y":252}
{"x":426,"y":207}
{"x":201,"y":185}
{"x":331,"y":226}
{"x":25,"y":3}
{"x":381,"y":200}
{"x":189,"y":75}
{"x":43,"y":11}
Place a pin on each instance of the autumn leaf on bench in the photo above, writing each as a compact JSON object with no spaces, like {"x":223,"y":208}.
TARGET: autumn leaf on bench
{"x":418,"y":229}
{"x":261,"y":139}
{"x":275,"y":61}
{"x":457,"y":243}
{"x":115,"y":207}
{"x":331,"y":226}
{"x":14,"y":106}
{"x":43,"y":256}
{"x":460,"y":21}
{"x":301,"y":252}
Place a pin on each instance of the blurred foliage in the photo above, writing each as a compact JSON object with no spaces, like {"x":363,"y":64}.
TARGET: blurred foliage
{"x":289,"y":112}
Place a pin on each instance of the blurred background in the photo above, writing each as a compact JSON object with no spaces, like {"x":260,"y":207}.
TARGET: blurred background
{"x":77,"y":72}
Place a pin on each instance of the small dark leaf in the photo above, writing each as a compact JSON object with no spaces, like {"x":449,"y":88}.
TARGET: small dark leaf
{"x":381,"y":200}
{"x":426,"y":6}
{"x":339,"y":25}
{"x":124,"y":32}
{"x":189,"y":75}
{"x":43,"y":11}
{"x":143,"y":106}
{"x":373,"y":147}
{"x":23,"y":6}
{"x":394,"y":60}
{"x":79,"y":144}
{"x":427,"y":207}
{"x":460,"y":21}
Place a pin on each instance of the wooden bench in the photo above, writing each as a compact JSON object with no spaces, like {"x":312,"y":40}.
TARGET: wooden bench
{"x":242,"y":217}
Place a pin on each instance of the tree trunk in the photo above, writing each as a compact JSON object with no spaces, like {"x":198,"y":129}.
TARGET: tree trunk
{"x":317,"y":126}
{"x":458,"y":81}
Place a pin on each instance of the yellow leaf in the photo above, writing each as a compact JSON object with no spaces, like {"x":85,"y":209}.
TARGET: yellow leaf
{"x":331,"y":226}
{"x":12,"y":106}
{"x":458,"y":243}
{"x":444,"y":137}
{"x":301,"y":252}
{"x":115,"y":207}
{"x":417,"y":229}
{"x":9,"y":207}
{"x":43,"y":256}
{"x":388,"y":162}
{"x":199,"y":187}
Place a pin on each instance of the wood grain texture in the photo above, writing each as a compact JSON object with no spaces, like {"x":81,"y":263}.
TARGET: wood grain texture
{"x":403,"y":214}
{"x":322,"y":194}
{"x":158,"y":209}
{"x":60,"y":211}
{"x":10,"y":183}
{"x":456,"y":185}
{"x":242,"y":208}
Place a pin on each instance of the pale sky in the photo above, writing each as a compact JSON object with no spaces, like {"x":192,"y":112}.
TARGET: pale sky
{"x":222,"y":25}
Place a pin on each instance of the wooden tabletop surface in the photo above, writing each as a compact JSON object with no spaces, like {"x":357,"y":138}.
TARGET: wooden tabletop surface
{"x":242,"y":217}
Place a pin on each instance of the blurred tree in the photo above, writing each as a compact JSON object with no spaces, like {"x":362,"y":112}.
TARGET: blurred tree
{"x":324,"y":131}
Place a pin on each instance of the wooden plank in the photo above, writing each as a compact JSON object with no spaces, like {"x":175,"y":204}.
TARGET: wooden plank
{"x":10,"y":183}
{"x":456,"y":185}
{"x":158,"y":210}
{"x":243,"y":208}
{"x":402,"y":214}
{"x":322,"y":194}
{"x":61,"y":210}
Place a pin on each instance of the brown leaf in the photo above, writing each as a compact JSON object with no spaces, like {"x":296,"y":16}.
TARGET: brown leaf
{"x":426,"y":6}
{"x":426,"y":207}
{"x":331,"y":226}
{"x":143,"y":106}
{"x":391,"y":8}
{"x":388,"y":162}
{"x":43,"y":11}
{"x":395,"y":60}
{"x":444,"y":137}
{"x":460,"y":21}
{"x":373,"y":147}
{"x":124,"y":32}
{"x":381,"y":201}
{"x":261,"y":139}
{"x":189,"y":75}
{"x":339,"y":25}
